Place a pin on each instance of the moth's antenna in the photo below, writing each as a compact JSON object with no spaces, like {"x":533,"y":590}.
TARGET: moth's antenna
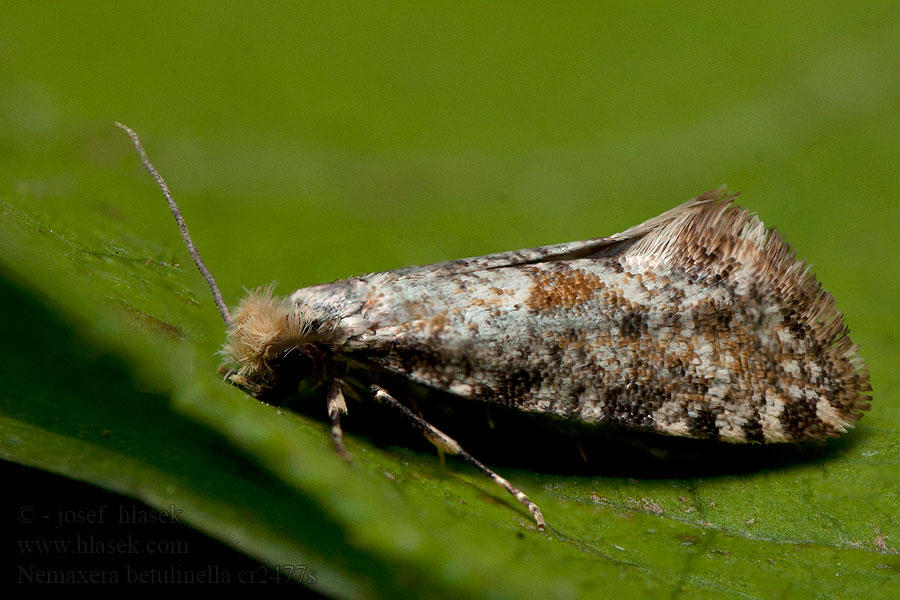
{"x":217,"y":295}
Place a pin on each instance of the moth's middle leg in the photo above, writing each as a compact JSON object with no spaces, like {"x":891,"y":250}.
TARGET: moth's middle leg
{"x":448,"y":445}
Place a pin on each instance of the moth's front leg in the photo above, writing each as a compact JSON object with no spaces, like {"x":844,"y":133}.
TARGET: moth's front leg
{"x":336,"y":407}
{"x":447,"y":444}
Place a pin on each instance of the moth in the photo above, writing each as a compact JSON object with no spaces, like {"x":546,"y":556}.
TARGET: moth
{"x":699,"y":323}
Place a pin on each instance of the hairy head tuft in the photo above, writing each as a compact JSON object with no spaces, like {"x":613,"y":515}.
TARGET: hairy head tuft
{"x":263,"y":327}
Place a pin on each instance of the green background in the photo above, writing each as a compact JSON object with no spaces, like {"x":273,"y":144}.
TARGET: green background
{"x":308,"y":143}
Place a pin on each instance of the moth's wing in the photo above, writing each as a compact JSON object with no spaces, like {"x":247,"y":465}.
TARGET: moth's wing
{"x":697,"y":323}
{"x":591,"y":248}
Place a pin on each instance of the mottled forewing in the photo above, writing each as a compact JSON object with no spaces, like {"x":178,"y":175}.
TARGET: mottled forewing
{"x":698,"y":323}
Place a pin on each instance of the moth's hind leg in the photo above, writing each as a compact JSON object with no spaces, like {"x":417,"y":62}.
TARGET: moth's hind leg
{"x":336,"y":407}
{"x":448,"y":445}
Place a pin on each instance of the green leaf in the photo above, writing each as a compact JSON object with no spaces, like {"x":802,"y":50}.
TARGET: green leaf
{"x":368,"y":140}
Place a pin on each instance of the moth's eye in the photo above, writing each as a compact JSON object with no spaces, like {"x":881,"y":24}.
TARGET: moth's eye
{"x":289,"y":369}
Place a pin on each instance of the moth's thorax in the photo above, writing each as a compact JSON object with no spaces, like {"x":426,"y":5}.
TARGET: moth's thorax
{"x":339,"y":303}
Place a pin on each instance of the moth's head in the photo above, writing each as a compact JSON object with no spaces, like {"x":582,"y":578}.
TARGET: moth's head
{"x":272,"y":345}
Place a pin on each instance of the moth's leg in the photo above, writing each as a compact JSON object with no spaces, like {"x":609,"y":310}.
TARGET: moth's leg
{"x":584,"y":456}
{"x":336,"y":407}
{"x":444,"y":443}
